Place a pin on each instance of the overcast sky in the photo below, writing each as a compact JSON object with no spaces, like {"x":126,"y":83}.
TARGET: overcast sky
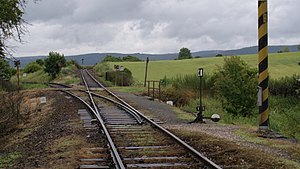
{"x":152,"y":26}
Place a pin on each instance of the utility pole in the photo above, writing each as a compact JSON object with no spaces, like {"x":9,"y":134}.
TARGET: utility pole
{"x":17,"y":64}
{"x":146,"y":71}
{"x":263,"y":79}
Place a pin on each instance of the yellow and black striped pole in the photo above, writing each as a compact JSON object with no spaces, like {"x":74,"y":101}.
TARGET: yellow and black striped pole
{"x":263,"y":64}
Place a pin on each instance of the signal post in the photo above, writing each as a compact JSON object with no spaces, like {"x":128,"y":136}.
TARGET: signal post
{"x":263,"y":79}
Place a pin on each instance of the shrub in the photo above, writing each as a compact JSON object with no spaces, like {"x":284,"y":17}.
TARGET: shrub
{"x":102,"y":68}
{"x":32,"y":67}
{"x":236,"y":86}
{"x":40,"y":62}
{"x":131,"y":59}
{"x":285,"y":86}
{"x":110,"y":58}
{"x":5,"y":70}
{"x":120,"y":78}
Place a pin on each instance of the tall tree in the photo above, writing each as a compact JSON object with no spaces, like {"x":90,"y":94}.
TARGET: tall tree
{"x":12,"y":26}
{"x":184,"y":53}
{"x":286,"y":49}
{"x":53,"y":63}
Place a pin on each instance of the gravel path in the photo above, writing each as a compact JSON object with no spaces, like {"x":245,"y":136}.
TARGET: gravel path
{"x":153,"y":109}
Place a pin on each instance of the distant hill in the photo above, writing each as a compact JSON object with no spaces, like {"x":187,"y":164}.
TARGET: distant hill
{"x":94,"y":58}
{"x":244,"y":51}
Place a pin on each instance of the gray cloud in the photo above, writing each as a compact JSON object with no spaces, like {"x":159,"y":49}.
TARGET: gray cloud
{"x":153,"y":26}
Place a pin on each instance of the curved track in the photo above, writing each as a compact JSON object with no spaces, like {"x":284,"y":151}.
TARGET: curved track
{"x":134,"y":140}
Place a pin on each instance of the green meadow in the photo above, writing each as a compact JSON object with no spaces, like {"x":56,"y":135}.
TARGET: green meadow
{"x":280,"y":65}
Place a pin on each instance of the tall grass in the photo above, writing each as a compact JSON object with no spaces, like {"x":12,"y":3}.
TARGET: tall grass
{"x":284,"y":114}
{"x":285,"y":108}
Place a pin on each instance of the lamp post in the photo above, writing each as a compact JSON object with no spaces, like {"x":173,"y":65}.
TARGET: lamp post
{"x":200,"y":108}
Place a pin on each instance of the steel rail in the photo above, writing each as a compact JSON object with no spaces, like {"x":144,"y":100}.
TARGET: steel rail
{"x":122,"y":106}
{"x":115,"y":154}
{"x":58,"y":84}
{"x":196,"y":153}
{"x":89,"y":93}
{"x":140,"y":121}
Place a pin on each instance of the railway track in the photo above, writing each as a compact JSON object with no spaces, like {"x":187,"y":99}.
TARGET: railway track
{"x":128,"y":138}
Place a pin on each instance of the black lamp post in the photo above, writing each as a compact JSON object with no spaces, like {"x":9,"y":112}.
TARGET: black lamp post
{"x":200,"y":108}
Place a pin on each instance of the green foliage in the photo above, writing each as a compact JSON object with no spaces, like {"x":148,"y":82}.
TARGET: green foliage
{"x":110,"y":58}
{"x":184,"y":53}
{"x":5,"y":70}
{"x":7,"y":161}
{"x":39,"y":76}
{"x":32,"y":67}
{"x":131,"y":59}
{"x":286,"y":49}
{"x":67,"y":75}
{"x":298,"y":47}
{"x":53,"y":63}
{"x":41,"y":62}
{"x":11,"y":22}
{"x":285,"y":86}
{"x":102,"y":68}
{"x":120,"y":78}
{"x":285,"y":115}
{"x":192,"y":82}
{"x":73,"y":62}
{"x":219,"y":55}
{"x":236,"y":86}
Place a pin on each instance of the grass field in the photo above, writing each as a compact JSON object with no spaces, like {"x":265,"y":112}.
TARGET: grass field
{"x":280,"y":64}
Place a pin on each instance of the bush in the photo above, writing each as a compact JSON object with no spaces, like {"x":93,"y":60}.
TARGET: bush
{"x":236,"y":86}
{"x":7,"y":86}
{"x":120,"y":78}
{"x":5,"y":70}
{"x":102,"y":68}
{"x":40,"y":62}
{"x":32,"y":67}
{"x":110,"y":58}
{"x":285,"y":86}
{"x":73,"y":62}
{"x":131,"y":59}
